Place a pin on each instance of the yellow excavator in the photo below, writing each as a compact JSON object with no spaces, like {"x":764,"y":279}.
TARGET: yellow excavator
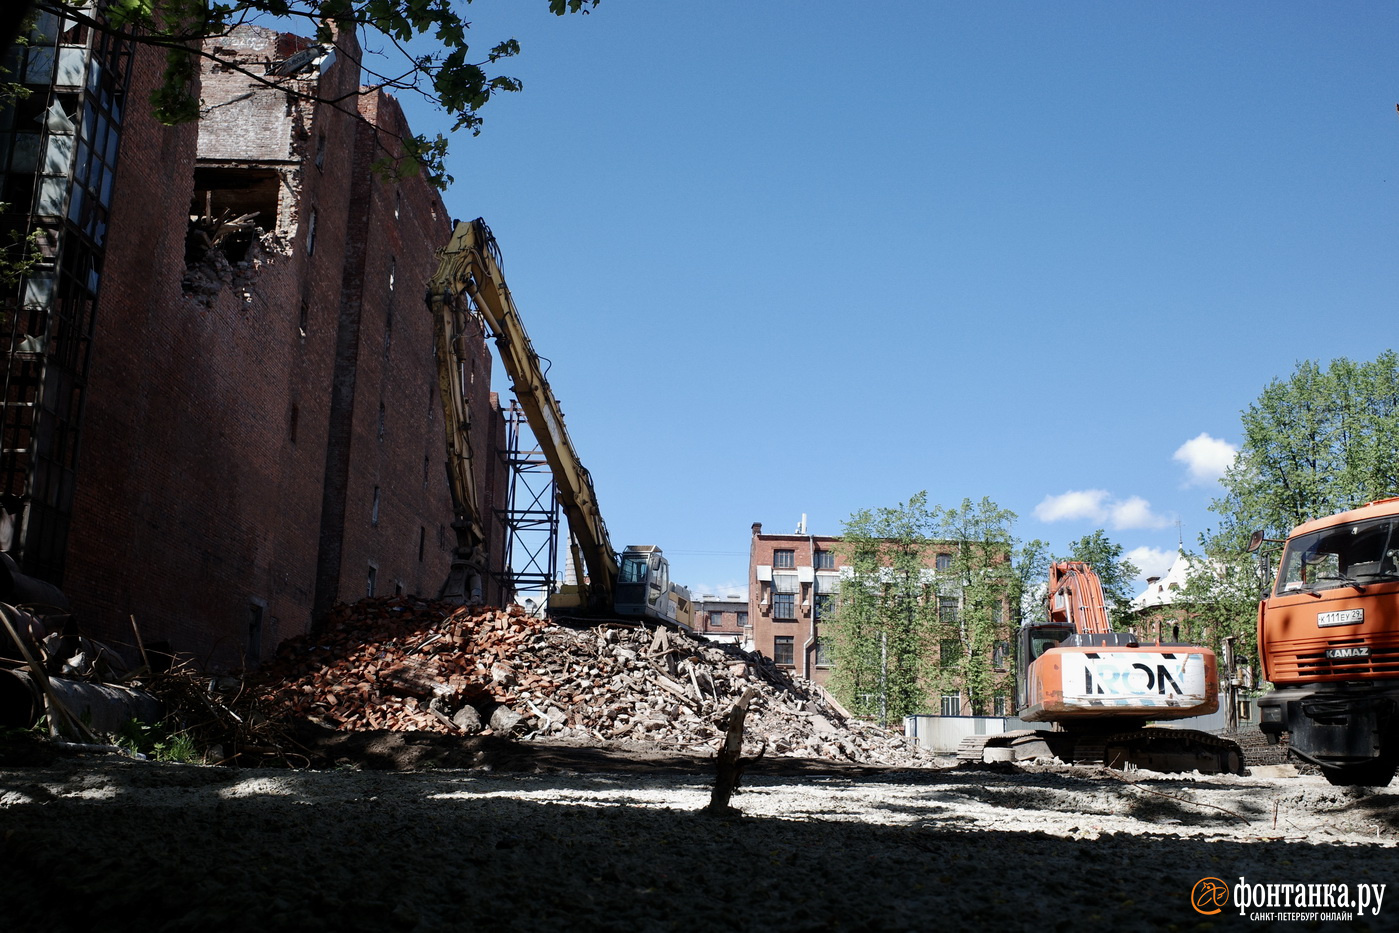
{"x":468,"y":288}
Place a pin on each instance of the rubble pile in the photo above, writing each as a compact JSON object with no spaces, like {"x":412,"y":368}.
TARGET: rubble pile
{"x":401,"y":664}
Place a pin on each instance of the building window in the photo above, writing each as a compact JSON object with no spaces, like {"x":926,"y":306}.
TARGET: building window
{"x":1000,"y":656}
{"x":951,"y":704}
{"x":785,"y":559}
{"x":374,"y":509}
{"x":743,"y":620}
{"x":320,"y":150}
{"x":784,"y":606}
{"x":947,"y":609}
{"x":825,"y":560}
{"x":825,"y":604}
{"x":422,"y":542}
{"x":382,"y":414}
{"x":311,"y":234}
{"x":822,"y":657}
{"x":295,"y":417}
{"x":949,"y":651}
{"x":942,"y":562}
{"x":782,"y":647}
{"x":304,"y":319}
{"x":999,"y":705}
{"x":373,"y":580}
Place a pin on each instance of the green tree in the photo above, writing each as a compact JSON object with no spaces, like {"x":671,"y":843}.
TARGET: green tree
{"x":1322,"y":441}
{"x":1114,"y":571}
{"x":991,"y":573}
{"x":1219,"y":601}
{"x":884,"y":626}
{"x":423,"y":42}
{"x":907,"y":626}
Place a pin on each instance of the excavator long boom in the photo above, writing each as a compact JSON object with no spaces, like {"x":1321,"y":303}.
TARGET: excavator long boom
{"x":469,"y":267}
{"x":1076,"y":598}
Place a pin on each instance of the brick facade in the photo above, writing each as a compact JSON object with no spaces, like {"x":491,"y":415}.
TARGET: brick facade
{"x":723,"y":618}
{"x":263,"y":430}
{"x":789,"y":580}
{"x":793,"y":581}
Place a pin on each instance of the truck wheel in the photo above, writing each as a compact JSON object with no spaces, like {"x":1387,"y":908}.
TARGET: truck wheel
{"x":1377,"y":772}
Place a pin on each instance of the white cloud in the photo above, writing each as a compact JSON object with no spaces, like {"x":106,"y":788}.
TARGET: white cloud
{"x":1098,"y":506}
{"x":1086,"y":503}
{"x":1206,"y":458}
{"x":1135,"y":512}
{"x":1151,"y":561}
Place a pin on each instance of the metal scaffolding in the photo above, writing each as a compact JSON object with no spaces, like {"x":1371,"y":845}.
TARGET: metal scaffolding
{"x":531,"y":516}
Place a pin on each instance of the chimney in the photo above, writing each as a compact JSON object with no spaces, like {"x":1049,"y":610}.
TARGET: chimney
{"x":757,"y":528}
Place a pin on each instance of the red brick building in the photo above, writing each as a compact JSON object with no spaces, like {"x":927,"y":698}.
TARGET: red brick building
{"x":723,"y":618}
{"x":261,"y":432}
{"x":792,"y":582}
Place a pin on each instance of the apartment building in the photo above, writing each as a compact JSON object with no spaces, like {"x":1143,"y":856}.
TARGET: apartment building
{"x":794,"y":582}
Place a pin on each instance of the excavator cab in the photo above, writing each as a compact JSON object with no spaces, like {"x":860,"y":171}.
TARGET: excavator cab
{"x":643,"y":584}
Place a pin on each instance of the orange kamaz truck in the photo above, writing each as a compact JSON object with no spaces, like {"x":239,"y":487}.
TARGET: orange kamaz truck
{"x":1328,"y":639}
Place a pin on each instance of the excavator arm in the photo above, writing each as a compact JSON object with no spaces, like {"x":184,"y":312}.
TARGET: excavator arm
{"x":1076,"y":598}
{"x":469,"y":268}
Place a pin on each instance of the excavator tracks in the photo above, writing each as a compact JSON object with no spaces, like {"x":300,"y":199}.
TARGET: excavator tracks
{"x":1173,"y":750}
{"x":1155,"y":749}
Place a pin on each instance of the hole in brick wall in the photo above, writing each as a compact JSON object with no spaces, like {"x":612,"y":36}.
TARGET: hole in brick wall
{"x":231,"y":208}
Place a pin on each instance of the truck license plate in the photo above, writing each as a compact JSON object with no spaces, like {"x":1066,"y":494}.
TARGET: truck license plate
{"x":1342,"y":617}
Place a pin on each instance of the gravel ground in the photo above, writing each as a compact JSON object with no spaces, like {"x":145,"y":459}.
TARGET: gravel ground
{"x":114,"y":844}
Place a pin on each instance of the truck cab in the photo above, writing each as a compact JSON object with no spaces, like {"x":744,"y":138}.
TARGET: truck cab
{"x":1328,"y":637}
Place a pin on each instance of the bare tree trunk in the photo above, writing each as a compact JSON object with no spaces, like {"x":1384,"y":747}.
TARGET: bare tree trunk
{"x":730,"y":761}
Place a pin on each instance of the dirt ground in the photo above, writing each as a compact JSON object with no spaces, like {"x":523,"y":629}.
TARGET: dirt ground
{"x":526,"y":836}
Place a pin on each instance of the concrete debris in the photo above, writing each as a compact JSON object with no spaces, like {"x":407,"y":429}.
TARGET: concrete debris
{"x":408,"y":664}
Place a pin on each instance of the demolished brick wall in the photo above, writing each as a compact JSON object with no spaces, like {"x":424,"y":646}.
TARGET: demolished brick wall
{"x":201,"y":486}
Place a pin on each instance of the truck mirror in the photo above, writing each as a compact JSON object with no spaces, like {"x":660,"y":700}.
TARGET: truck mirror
{"x":1255,"y":541}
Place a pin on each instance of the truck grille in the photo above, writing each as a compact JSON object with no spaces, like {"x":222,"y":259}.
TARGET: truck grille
{"x":1305,"y":660}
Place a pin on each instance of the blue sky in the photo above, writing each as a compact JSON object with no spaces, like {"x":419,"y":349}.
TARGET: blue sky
{"x":806,"y":258}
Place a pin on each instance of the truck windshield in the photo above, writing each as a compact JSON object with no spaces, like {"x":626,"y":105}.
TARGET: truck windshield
{"x":1347,"y":555}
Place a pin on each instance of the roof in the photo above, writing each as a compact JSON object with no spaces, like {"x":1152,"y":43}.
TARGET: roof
{"x":1164,"y":591}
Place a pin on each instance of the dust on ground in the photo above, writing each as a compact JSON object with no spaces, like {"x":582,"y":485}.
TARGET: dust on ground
{"x":531,"y":836}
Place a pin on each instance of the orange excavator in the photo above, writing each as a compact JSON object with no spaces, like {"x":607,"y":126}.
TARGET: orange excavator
{"x":1099,"y":690}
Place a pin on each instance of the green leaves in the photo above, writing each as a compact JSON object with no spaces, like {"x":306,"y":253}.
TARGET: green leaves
{"x":1320,"y":442}
{"x":1115,"y":572}
{"x":560,"y":7}
{"x":932,"y":593}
